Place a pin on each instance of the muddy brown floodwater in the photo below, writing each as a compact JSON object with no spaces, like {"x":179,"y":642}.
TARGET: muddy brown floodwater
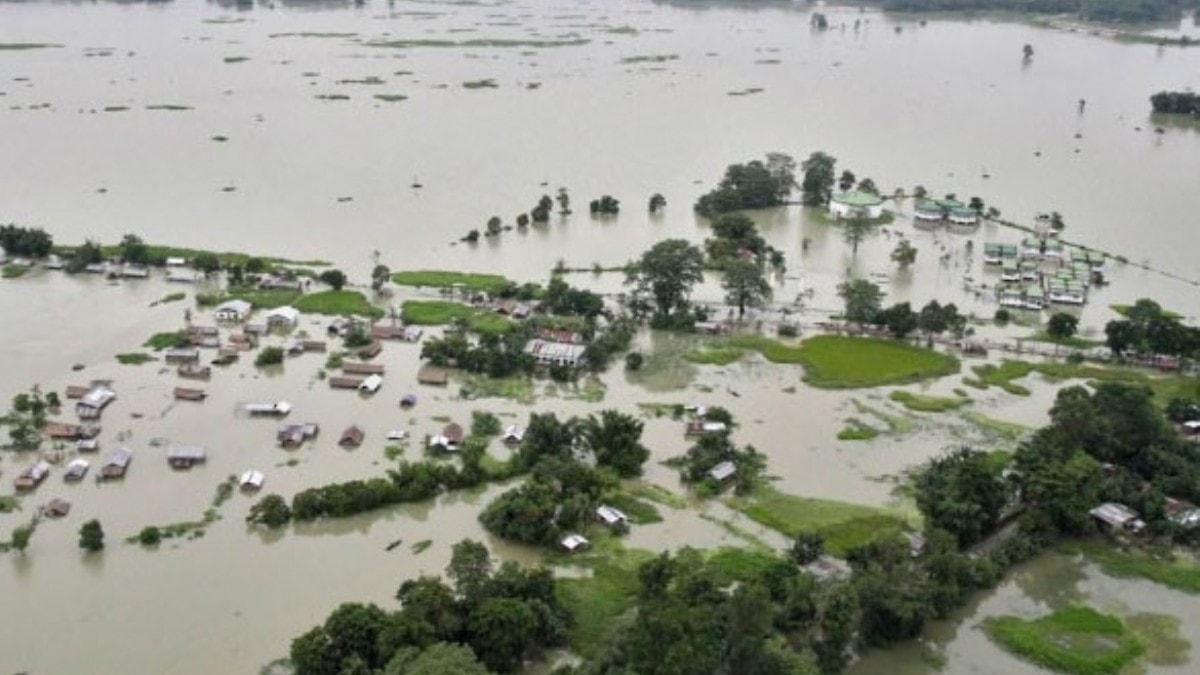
{"x":91,"y":153}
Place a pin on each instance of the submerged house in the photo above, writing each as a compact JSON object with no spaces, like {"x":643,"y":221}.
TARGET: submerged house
{"x":723,"y":472}
{"x":93,"y":403}
{"x":360,"y":368}
{"x":513,"y":434}
{"x":233,"y":310}
{"x":185,"y":456}
{"x":32,"y":476}
{"x":76,"y":470}
{"x":352,"y":437}
{"x":549,"y":353}
{"x":574,"y":542}
{"x":1114,"y":518}
{"x":432,"y":375}
{"x":116,"y":463}
{"x":283,"y":318}
{"x":276,"y":409}
{"x":292,"y":435}
{"x":856,"y":204}
{"x":251,"y":481}
{"x":611,"y":516}
{"x":186,"y":394}
{"x":371,"y":384}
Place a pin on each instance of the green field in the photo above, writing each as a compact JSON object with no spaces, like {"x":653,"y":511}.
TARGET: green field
{"x":488,"y":283}
{"x":339,"y":303}
{"x":856,"y":430}
{"x":1178,"y":573}
{"x":844,"y":525}
{"x":441,"y":312}
{"x":923,"y":403}
{"x":1165,"y":387}
{"x":1074,"y":639}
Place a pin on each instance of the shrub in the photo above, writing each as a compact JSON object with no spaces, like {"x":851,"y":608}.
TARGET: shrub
{"x":269,"y":356}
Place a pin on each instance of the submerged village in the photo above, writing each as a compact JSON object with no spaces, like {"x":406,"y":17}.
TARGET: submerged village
{"x":599,"y":338}
{"x":1116,"y":465}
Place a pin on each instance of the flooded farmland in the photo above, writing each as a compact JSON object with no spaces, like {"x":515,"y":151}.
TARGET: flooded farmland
{"x":300,"y":131}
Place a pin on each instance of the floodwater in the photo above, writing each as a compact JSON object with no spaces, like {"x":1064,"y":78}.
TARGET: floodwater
{"x":938,"y":105}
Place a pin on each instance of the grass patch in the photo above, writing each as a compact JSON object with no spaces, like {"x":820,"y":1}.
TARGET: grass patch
{"x":1164,"y":387}
{"x":192,"y":529}
{"x":339,"y":303}
{"x":602,"y":604}
{"x":844,"y":526}
{"x":741,"y":564}
{"x":1165,"y":646}
{"x":836,"y":362}
{"x":421,"y":546}
{"x":656,"y":494}
{"x":715,"y":355}
{"x":170,"y":297}
{"x":8,"y":504}
{"x":1074,"y":639}
{"x":134,"y":358}
{"x":166,"y":340}
{"x":1009,"y":431}
{"x":1174,"y":572}
{"x":517,"y":387}
{"x":441,"y":312}
{"x":488,"y":283}
{"x":156,"y":252}
{"x":391,"y":98}
{"x":14,"y":271}
{"x":896,"y":423}
{"x":856,"y":430}
{"x":26,"y":46}
{"x":639,"y":512}
{"x":922,"y":403}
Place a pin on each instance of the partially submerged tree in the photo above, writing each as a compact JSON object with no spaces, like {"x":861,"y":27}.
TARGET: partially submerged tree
{"x":745,"y":285}
{"x":666,"y":273}
{"x":862,"y":300}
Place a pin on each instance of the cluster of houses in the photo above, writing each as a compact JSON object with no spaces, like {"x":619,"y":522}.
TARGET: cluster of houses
{"x":1042,"y":271}
{"x":948,"y":210}
{"x":1118,"y":519}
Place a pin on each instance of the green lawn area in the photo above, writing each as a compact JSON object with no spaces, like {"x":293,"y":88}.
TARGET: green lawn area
{"x":1177,"y":573}
{"x":856,"y":430}
{"x":657,"y":494}
{"x":488,"y":283}
{"x":836,"y":362}
{"x":1074,"y":639}
{"x":843,"y":525}
{"x":923,"y":403}
{"x":340,"y":303}
{"x":441,"y":312}
{"x":134,"y":358}
{"x":166,"y":340}
{"x":1165,"y":387}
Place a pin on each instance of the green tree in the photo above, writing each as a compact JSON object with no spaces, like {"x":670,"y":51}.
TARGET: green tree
{"x":1061,"y":326}
{"x":564,"y":201}
{"x":868,"y":185}
{"x":817,"y":185}
{"x":269,"y":356}
{"x":807,"y":547}
{"x":657,"y":202}
{"x":334,"y":278}
{"x":854,"y":230}
{"x":862,"y":300}
{"x":963,"y":494}
{"x":899,"y":319}
{"x":667,"y":272}
{"x":932,"y":318}
{"x":614,"y":439}
{"x":91,"y":536}
{"x":905,"y":254}
{"x":838,"y":622}
{"x":437,"y":659}
{"x":21,"y":536}
{"x":379,"y":276}
{"x":470,"y":568}
{"x":134,"y":250}
{"x":847,"y":180}
{"x":494,"y":226}
{"x":272,"y":511}
{"x":501,"y":631}
{"x":206,"y":262}
{"x":745,"y":285}
{"x":87,"y":254}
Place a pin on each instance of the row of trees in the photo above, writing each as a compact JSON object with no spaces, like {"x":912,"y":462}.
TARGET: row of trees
{"x":863,"y":304}
{"x":1176,"y":102}
{"x":1108,"y":11}
{"x":25,"y":241}
{"x":756,"y":184}
{"x":1148,"y":329}
{"x":485,"y":620}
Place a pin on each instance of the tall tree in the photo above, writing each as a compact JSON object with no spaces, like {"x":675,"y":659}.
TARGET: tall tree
{"x":745,"y":285}
{"x":904,"y":254}
{"x":854,"y":230}
{"x":862,"y":300}
{"x":667,"y":272}
{"x":817,"y":185}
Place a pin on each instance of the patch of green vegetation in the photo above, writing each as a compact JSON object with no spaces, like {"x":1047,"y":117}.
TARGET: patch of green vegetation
{"x":156,"y":252}
{"x":14,"y":271}
{"x":391,"y":98}
{"x":650,"y":58}
{"x":170,"y":297}
{"x":517,"y":387}
{"x":134,"y":358}
{"x":856,"y":430}
{"x":8,"y":504}
{"x":1173,"y":572}
{"x":1123,"y":310}
{"x":844,"y":526}
{"x":742,"y":563}
{"x":1165,"y":645}
{"x":602,"y":603}
{"x":441,"y":312}
{"x":478,"y":43}
{"x":166,"y":340}
{"x":715,"y":355}
{"x":923,"y":403}
{"x":837,"y":362}
{"x":421,"y":546}
{"x":1073,"y":342}
{"x":656,"y":494}
{"x":168,"y":106}
{"x":896,"y":423}
{"x":487,"y":283}
{"x":1164,"y":387}
{"x":236,"y":59}
{"x":25,"y":46}
{"x":368,"y":80}
{"x":1074,"y":639}
{"x":116,"y":108}
{"x":639,"y":512}
{"x":486,"y":83}
{"x":736,"y":530}
{"x":338,"y":303}
{"x":1009,"y":431}
{"x":193,"y":529}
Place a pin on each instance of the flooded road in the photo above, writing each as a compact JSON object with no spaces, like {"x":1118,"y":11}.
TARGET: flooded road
{"x":635,"y":100}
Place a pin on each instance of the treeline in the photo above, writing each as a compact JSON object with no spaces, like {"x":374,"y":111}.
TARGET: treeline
{"x":489,"y":620}
{"x":1105,"y":11}
{"x":1176,"y":102}
{"x":1148,"y":329}
{"x":25,"y":241}
{"x":757,"y":184}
